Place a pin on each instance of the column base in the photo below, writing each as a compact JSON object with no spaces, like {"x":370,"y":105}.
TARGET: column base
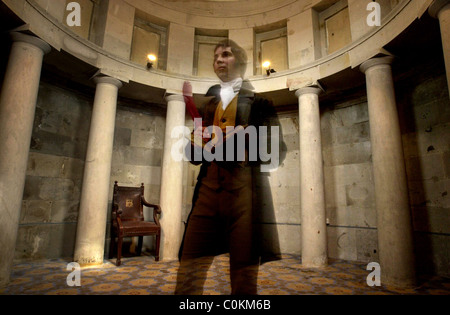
{"x":97,"y":265}
{"x":85,"y":261}
{"x":318,"y":262}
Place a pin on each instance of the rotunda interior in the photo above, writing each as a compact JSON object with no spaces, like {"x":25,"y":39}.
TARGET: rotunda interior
{"x":381,"y":72}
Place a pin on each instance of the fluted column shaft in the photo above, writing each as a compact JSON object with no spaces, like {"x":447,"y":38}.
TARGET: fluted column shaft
{"x":312,"y":191}
{"x":17,"y":108}
{"x":172,"y":182}
{"x":395,"y":243}
{"x":91,"y":228}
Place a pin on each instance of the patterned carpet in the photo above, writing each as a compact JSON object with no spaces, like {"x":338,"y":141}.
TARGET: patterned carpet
{"x":143,"y":276}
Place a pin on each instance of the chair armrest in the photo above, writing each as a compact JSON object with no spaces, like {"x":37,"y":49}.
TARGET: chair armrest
{"x":117,"y":212}
{"x":150,"y":205}
{"x":156,"y":209}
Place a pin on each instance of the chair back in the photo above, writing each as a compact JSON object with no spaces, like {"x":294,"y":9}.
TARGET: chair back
{"x":129,"y":201}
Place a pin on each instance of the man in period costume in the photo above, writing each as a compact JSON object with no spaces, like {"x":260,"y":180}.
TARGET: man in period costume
{"x":227,"y":212}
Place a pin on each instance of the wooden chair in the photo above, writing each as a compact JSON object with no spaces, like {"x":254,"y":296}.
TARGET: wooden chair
{"x":128,"y":219}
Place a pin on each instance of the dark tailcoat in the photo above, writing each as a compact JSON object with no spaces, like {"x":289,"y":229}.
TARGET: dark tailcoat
{"x":243,"y":178}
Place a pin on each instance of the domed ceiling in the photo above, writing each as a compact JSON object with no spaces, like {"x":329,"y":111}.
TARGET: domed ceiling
{"x":228,"y":8}
{"x":225,"y":14}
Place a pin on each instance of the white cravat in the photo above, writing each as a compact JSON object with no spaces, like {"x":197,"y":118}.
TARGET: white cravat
{"x":229,"y":90}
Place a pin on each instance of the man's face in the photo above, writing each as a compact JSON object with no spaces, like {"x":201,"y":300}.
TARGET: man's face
{"x":225,"y":65}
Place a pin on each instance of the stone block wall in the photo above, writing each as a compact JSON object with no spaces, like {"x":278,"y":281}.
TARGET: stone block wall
{"x":424,"y":114}
{"x":56,"y":162}
{"x":281,"y":189}
{"x":137,"y":157}
{"x":48,"y":220}
{"x":349,"y":191}
{"x":425,"y":117}
{"x":51,"y":197}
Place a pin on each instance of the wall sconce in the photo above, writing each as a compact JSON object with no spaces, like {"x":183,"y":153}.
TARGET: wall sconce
{"x":266,"y":65}
{"x":151,"y":59}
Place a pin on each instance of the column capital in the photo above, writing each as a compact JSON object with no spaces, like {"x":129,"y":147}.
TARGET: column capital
{"x":387,"y":60}
{"x":108,"y":80}
{"x":175,"y":97}
{"x":308,"y":90}
{"x":30,"y":39}
{"x":436,"y":7}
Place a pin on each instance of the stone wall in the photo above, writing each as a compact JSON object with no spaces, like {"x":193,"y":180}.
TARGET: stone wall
{"x":51,"y":197}
{"x":349,"y":188}
{"x":424,"y":113}
{"x":349,"y":191}
{"x":56,"y":163}
{"x":425,"y":116}
{"x":137,"y":156}
{"x":55,"y":169}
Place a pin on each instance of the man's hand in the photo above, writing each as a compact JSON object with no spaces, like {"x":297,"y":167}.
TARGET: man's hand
{"x":201,"y":134}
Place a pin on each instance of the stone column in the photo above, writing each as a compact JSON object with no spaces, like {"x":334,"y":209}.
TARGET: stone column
{"x":395,"y":243}
{"x":441,"y":9}
{"x":17,"y":108}
{"x":91,"y":229}
{"x":312,"y":191}
{"x":172,"y":182}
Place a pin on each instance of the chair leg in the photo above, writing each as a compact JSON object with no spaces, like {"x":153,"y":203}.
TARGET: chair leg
{"x":158,"y":239}
{"x":139,"y":247}
{"x":112,"y":245}
{"x":119,"y":251}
